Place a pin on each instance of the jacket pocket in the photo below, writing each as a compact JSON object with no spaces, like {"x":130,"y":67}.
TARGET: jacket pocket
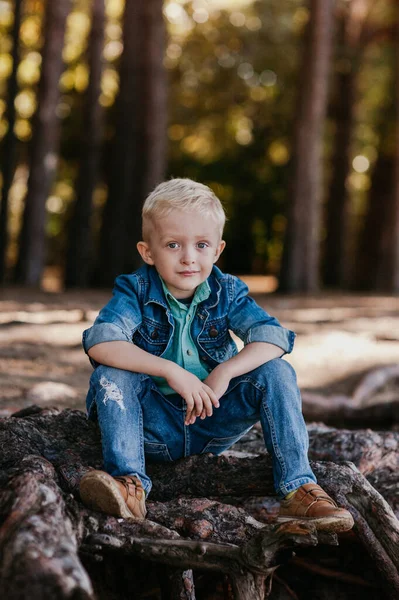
{"x":151,"y":336}
{"x":216,"y":340}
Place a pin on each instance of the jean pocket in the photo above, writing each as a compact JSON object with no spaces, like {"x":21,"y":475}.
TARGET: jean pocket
{"x":156,"y":452}
{"x":219,"y":445}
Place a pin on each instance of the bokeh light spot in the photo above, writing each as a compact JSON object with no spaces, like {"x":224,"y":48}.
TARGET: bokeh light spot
{"x":176,"y":132}
{"x":25,"y":103}
{"x":268,"y":78}
{"x":55,"y":204}
{"x":361,"y":163}
{"x":23,"y":130}
{"x":245,"y":70}
{"x":278,"y":152}
{"x":237,"y":19}
{"x":200,"y":15}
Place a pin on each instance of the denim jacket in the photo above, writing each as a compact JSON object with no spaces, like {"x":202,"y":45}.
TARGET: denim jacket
{"x":139,"y":313}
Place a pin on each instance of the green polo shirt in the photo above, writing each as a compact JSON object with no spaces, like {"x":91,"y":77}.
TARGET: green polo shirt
{"x":182,"y":350}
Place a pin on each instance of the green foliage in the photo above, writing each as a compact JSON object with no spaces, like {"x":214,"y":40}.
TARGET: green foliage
{"x":233,"y":88}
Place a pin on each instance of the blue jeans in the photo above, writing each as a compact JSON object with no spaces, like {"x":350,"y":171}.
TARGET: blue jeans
{"x":138,"y":423}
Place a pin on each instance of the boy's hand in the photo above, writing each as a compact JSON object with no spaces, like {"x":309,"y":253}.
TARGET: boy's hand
{"x":198,"y":396}
{"x":218,"y":380}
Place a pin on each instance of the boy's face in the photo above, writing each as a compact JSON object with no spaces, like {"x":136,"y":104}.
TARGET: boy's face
{"x":183,"y":247}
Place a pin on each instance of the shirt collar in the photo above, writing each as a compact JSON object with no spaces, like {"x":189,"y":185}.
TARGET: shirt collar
{"x":202,"y":293}
{"x":154,"y":292}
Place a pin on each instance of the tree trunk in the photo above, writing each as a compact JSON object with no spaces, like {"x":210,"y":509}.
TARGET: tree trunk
{"x":80,"y":241}
{"x":176,"y":584}
{"x":301,"y":250}
{"x":44,"y":526}
{"x":394,"y":280}
{"x":337,"y":246}
{"x":373,"y":403}
{"x":151,"y":136}
{"x":140,"y":140}
{"x":248,"y":586}
{"x":9,"y":146}
{"x":373,"y":263}
{"x":113,"y":235}
{"x":377,"y":257}
{"x":44,"y":148}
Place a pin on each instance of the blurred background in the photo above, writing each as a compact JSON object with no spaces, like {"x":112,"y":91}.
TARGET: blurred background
{"x":286,"y":108}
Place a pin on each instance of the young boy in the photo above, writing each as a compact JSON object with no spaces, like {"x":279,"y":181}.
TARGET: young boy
{"x":168,"y":381}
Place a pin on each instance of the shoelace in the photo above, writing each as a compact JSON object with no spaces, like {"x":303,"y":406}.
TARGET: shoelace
{"x":129,"y":483}
{"x":319,"y":498}
{"x":316,"y":499}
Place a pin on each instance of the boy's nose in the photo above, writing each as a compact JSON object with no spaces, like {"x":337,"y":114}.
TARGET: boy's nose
{"x":187,"y":260}
{"x":187,"y":257}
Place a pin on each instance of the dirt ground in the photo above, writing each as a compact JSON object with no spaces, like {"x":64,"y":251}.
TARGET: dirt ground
{"x":42,"y":362}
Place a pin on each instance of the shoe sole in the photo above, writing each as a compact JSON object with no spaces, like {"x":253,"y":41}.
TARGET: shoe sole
{"x":331,"y":524}
{"x":99,"y":492}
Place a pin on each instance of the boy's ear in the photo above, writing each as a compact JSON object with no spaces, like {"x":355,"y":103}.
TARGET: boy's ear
{"x":219,"y":250}
{"x":145,"y":252}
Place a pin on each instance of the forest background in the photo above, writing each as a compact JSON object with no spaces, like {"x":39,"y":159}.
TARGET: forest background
{"x":287,"y":109}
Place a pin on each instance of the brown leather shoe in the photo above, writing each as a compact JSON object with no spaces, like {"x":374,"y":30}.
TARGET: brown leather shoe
{"x":118,"y":496}
{"x":311,"y":502}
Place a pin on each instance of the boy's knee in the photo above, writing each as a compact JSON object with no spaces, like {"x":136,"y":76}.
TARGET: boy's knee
{"x":277,"y":368}
{"x":114,"y":387}
{"x":105,"y":377}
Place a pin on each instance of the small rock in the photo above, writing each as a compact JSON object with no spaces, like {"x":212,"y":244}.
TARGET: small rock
{"x":50,"y":391}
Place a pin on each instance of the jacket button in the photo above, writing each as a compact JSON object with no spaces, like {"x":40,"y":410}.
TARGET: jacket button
{"x":213,"y":332}
{"x":203,"y":357}
{"x":154,"y":335}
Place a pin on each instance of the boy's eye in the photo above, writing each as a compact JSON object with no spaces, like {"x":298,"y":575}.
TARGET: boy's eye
{"x":173,"y":245}
{"x":202,"y":245}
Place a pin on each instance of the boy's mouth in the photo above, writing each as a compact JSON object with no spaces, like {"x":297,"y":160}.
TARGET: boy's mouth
{"x":188,"y":273}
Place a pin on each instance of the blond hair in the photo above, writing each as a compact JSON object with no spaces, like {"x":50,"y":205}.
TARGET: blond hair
{"x":182,"y":194}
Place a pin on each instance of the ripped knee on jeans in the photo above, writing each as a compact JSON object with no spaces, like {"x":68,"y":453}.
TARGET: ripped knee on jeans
{"x":112,"y":392}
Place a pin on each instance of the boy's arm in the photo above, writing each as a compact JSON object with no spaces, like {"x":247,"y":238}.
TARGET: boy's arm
{"x":263,"y":336}
{"x":251,"y":323}
{"x":127,"y":356}
{"x":251,"y":356}
{"x":198,"y":396}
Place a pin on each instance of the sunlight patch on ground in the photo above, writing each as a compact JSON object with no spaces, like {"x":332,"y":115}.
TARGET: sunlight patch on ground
{"x":41,"y":316}
{"x":60,"y":334}
{"x":339,"y":335}
{"x":324,"y":358}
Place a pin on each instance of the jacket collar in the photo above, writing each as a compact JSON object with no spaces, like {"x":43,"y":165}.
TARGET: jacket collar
{"x":154,"y":291}
{"x":215,"y":288}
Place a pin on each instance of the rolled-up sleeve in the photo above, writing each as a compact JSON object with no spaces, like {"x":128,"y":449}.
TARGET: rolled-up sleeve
{"x":118,"y":319}
{"x":253,"y":324}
